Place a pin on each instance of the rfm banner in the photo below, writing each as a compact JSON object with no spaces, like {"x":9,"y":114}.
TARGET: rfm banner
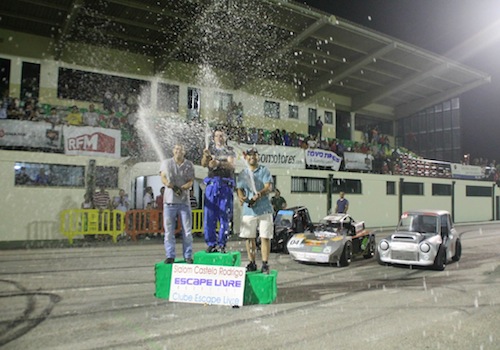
{"x":23,"y":133}
{"x":207,"y":284}
{"x":88,"y":141}
{"x":272,"y":156}
{"x":324,"y":158}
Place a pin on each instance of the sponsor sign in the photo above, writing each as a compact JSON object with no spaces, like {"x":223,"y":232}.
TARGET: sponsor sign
{"x":271,"y":156}
{"x":358,"y":161}
{"x":324,"y":158}
{"x":473,"y":172}
{"x":207,"y":284}
{"x":90,"y":141}
{"x":23,"y":133}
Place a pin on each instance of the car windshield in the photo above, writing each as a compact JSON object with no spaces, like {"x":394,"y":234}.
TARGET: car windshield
{"x":284,"y":218}
{"x":330,"y":226}
{"x":422,"y":223}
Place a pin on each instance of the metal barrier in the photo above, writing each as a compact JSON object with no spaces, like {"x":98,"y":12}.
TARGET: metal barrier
{"x":74,"y":222}
{"x":138,"y":222}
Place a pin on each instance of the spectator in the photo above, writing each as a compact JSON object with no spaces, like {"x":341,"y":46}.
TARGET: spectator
{"x":148,"y":201}
{"x":42,"y":179}
{"x":91,"y":117}
{"x":101,"y":199}
{"x":74,"y":117}
{"x":121,"y":201}
{"x":87,"y":202}
{"x":277,"y":201}
{"x":319,"y":128}
{"x":22,"y":178}
{"x":342,"y":204}
{"x":159,"y":199}
{"x":53,"y":117}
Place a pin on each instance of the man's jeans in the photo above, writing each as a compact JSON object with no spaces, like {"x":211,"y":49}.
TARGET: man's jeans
{"x":170,"y":213}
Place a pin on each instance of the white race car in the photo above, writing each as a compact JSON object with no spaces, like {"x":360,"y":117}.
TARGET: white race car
{"x":422,"y":238}
{"x":333,"y":241}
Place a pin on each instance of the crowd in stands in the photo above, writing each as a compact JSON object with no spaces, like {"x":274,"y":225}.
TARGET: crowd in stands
{"x":386,"y":158}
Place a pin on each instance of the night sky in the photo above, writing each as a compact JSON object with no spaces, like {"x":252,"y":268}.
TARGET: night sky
{"x":467,"y":31}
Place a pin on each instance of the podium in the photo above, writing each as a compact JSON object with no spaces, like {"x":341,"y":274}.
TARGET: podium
{"x":259,"y":288}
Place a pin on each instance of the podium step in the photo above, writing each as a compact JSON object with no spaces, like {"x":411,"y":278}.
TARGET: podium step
{"x":219,"y":259}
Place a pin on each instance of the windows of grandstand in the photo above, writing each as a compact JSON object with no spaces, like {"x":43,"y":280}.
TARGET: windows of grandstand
{"x":52,"y":175}
{"x":117,"y":94}
{"x":434,"y":132}
{"x":366,"y":123}
{"x":346,"y":185}
{"x":223,"y":101}
{"x":4,"y":76}
{"x":328,"y":117}
{"x":193,"y":103}
{"x":343,"y":125}
{"x":441,"y":190}
{"x":168,"y":98}
{"x":478,"y":191}
{"x":312,"y":116}
{"x":308,"y":185}
{"x":413,"y":188}
{"x":30,"y":80}
{"x":293,"y":112}
{"x":390,"y":187}
{"x":272,"y":109}
{"x":106,"y":176}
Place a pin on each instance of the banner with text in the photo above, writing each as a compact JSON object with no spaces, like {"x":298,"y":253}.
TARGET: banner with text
{"x":207,"y":284}
{"x":23,"y":133}
{"x":358,"y":161}
{"x":271,"y":156}
{"x":88,"y":141}
{"x":323,"y":158}
{"x":471,"y":172}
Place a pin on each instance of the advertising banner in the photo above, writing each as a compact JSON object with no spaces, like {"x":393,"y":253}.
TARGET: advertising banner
{"x":207,"y":284}
{"x":88,"y":141}
{"x":358,"y":161}
{"x":271,"y":156}
{"x":23,"y":133}
{"x":323,"y":158}
{"x":471,"y":172}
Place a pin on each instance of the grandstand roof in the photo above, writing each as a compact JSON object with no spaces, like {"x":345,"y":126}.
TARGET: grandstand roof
{"x":275,"y":39}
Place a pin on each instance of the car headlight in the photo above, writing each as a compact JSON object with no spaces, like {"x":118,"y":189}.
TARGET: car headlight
{"x":384,"y":245}
{"x":425,"y":247}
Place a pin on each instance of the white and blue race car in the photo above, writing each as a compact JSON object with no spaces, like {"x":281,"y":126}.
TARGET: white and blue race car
{"x":335,"y":240}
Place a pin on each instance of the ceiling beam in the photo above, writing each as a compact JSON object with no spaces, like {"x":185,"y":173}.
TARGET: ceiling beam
{"x":349,"y":69}
{"x":76,"y":5}
{"x":5,"y":14}
{"x":361,"y":101}
{"x":418,"y":105}
{"x":47,"y":4}
{"x":138,"y":5}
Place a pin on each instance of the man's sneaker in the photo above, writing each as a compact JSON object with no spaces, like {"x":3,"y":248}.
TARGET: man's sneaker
{"x":188,"y":260}
{"x":169,"y":260}
{"x":265,"y":268}
{"x":251,"y":266}
{"x":223,"y":249}
{"x":212,"y":249}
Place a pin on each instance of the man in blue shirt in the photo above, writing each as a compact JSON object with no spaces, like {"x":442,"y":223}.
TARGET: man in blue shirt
{"x":254,"y":185}
{"x":342,"y":204}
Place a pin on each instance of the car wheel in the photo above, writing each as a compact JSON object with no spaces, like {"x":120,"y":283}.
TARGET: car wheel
{"x":370,"y":253}
{"x":440,"y":261}
{"x":458,"y":251}
{"x":346,"y":257}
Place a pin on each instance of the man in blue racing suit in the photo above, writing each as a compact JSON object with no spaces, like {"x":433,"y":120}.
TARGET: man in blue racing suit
{"x":218,"y":205}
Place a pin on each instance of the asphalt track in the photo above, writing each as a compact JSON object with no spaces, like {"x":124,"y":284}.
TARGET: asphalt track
{"x":100,"y":296}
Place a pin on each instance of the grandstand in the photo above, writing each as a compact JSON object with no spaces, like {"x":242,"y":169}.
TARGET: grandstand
{"x":265,"y":65}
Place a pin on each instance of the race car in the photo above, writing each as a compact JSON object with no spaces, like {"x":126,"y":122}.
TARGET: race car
{"x":422,"y":238}
{"x":287,"y":222}
{"x":335,"y":240}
